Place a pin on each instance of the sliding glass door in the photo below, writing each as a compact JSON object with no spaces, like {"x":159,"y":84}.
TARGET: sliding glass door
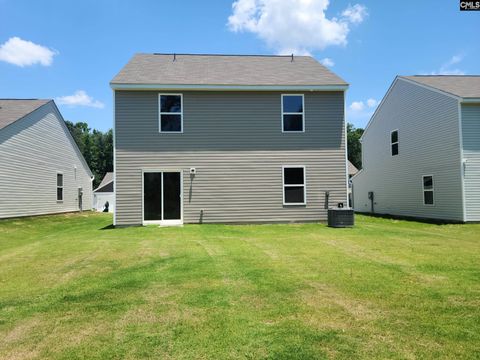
{"x":162,"y":196}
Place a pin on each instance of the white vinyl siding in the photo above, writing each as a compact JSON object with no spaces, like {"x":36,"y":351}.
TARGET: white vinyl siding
{"x":471,"y":158}
{"x":32,"y":151}
{"x":428,"y":129}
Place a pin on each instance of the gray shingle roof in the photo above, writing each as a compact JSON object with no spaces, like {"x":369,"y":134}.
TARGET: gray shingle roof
{"x":352,"y":170}
{"x":465,"y":86}
{"x":12,"y":110}
{"x":225,"y":70}
{"x":108,"y":178}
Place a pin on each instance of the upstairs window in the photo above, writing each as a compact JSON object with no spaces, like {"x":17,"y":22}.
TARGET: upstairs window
{"x":59,"y":187}
{"x":293,"y":113}
{"x":394,"y":142}
{"x":428,"y":190}
{"x":294,"y":192}
{"x":171,"y":113}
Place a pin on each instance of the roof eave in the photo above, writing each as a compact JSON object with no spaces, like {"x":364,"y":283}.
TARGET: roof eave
{"x":470,"y":100}
{"x":102,"y":186}
{"x":214,"y":87}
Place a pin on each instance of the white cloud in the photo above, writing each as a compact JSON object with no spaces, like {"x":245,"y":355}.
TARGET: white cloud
{"x":448,"y":67}
{"x":79,"y":98}
{"x":357,"y":106}
{"x":355,"y":14}
{"x":22,"y":53}
{"x":294,"y":26}
{"x":359,"y":112}
{"x":372,"y":102}
{"x":327,"y":62}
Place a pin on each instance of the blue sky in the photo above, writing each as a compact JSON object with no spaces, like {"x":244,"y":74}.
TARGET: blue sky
{"x":70,"y":51}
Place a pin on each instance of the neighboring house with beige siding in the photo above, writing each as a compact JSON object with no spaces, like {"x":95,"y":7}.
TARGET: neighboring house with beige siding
{"x":41,"y":168}
{"x":227,"y":139}
{"x":421,"y":150}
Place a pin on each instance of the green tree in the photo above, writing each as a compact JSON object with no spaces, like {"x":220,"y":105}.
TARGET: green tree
{"x":80,"y":131}
{"x":95,"y":146}
{"x":354,"y":145}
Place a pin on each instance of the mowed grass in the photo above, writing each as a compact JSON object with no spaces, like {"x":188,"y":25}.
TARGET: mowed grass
{"x":72,"y":288}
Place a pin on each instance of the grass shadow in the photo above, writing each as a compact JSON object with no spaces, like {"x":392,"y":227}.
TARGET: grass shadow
{"x":108,"y":227}
{"x":411,"y":218}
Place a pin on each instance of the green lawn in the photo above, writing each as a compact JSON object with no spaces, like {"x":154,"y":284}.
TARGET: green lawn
{"x":72,"y":288}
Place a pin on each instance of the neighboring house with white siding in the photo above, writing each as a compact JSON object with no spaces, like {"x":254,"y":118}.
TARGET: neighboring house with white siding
{"x":421,"y":150}
{"x":104,"y":194}
{"x":41,"y":168}
{"x":352,"y":170}
{"x":227,"y":139}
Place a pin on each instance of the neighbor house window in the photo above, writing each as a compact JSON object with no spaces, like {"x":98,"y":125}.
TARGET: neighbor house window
{"x":428,"y":190}
{"x":171,"y":113}
{"x":293,"y":119}
{"x":294,"y":185}
{"x":59,"y":187}
{"x":394,"y":142}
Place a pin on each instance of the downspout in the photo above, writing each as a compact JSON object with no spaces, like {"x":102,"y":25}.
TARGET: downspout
{"x":91,"y":181}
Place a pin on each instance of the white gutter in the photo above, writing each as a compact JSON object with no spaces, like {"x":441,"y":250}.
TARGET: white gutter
{"x":470,"y":100}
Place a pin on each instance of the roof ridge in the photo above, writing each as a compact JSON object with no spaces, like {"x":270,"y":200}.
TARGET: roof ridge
{"x":227,"y":70}
{"x":441,"y":75}
{"x":24,"y":99}
{"x":246,"y":55}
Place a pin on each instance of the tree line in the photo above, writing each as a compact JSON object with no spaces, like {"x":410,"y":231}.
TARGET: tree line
{"x":354,"y":146}
{"x":97,"y":147}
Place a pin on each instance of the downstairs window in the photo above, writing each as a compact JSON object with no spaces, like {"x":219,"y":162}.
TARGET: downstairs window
{"x":294,"y":190}
{"x":428,"y":190}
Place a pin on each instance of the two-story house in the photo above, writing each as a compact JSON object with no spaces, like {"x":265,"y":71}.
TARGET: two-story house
{"x":421,"y":150}
{"x":227,"y":139}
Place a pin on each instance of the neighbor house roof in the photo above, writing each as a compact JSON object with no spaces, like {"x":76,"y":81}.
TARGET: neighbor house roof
{"x":107,"y":179}
{"x":464,"y":86}
{"x":352,"y":170}
{"x":226,"y":70}
{"x":12,"y":110}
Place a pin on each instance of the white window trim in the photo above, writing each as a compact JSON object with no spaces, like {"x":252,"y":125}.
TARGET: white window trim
{"x":294,"y":113}
{"x":160,"y":113}
{"x":393,"y":143}
{"x":294,"y":185}
{"x":432,"y":190}
{"x":60,"y":187}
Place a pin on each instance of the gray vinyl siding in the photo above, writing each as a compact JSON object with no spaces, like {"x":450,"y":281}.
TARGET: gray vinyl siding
{"x":235,"y":142}
{"x":471,"y":153}
{"x":32,"y":151}
{"x":429,"y":144}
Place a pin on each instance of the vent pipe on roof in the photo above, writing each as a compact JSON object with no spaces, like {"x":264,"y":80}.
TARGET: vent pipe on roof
{"x":292,"y":58}
{"x":174,"y":56}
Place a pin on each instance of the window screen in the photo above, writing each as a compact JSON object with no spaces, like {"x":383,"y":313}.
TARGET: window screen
{"x":292,"y":113}
{"x":171,"y":113}
{"x":394,"y":142}
{"x":294,"y":185}
{"x":428,"y":190}
{"x":59,"y":187}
